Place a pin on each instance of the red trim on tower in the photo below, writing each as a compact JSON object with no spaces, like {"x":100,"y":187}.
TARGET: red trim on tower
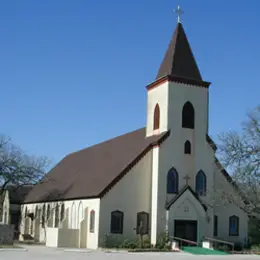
{"x":177,"y":79}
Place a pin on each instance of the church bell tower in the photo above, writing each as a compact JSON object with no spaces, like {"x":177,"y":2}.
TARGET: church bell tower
{"x":179,"y":94}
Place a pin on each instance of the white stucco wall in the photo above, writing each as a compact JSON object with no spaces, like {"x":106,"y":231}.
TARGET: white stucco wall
{"x":82,"y":210}
{"x":224,"y":210}
{"x":52,"y":237}
{"x":131,"y":195}
{"x":158,"y":95}
{"x":154,"y":194}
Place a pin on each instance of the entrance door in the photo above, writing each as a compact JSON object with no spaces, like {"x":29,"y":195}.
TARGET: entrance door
{"x":186,"y":229}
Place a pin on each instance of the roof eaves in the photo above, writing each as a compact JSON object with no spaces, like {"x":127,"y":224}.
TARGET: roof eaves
{"x":211,"y":142}
{"x":231,"y":181}
{"x":187,"y":187}
{"x":177,"y":79}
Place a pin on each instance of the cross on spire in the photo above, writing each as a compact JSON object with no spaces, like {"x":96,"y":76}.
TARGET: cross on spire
{"x":179,"y":12}
{"x":186,"y":178}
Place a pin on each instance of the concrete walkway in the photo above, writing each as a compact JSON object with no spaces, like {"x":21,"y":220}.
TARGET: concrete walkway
{"x":43,"y":253}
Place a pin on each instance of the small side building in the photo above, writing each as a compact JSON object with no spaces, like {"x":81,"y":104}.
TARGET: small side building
{"x":4,"y":208}
{"x":16,"y":196}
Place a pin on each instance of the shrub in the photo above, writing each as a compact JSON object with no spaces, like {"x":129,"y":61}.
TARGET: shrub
{"x":146,"y":242}
{"x":238,"y":246}
{"x":162,"y":240}
{"x":136,"y":243}
{"x":255,"y":248}
{"x":112,"y":241}
{"x":223,"y":247}
{"x":127,"y":243}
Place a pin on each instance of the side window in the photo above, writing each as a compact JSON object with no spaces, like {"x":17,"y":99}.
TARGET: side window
{"x":48,"y":211}
{"x":92,"y":221}
{"x":62,"y":212}
{"x":57,"y":217}
{"x":43,"y":215}
{"x":36,"y":211}
{"x":142,"y":223}
{"x":234,"y":226}
{"x":117,"y":221}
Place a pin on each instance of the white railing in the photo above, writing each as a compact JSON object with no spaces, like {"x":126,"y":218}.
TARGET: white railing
{"x":182,"y":240}
{"x":214,"y":240}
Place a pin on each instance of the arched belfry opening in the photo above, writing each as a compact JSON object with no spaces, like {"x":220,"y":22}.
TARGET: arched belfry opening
{"x":156,"y":117}
{"x":188,"y":116}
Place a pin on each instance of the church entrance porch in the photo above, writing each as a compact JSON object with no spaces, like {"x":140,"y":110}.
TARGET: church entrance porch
{"x":187,"y":217}
{"x":186,"y":229}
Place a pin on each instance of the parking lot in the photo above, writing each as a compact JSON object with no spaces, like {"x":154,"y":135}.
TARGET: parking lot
{"x":40,"y":252}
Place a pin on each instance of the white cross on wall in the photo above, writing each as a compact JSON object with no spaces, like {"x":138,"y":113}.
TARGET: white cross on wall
{"x":187,"y":178}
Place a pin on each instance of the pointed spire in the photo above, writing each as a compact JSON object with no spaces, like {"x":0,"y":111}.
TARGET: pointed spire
{"x":179,"y":60}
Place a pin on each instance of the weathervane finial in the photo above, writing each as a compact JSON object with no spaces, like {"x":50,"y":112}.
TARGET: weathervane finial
{"x":179,"y":12}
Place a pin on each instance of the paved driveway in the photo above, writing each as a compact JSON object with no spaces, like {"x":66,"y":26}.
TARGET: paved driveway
{"x":39,"y":252}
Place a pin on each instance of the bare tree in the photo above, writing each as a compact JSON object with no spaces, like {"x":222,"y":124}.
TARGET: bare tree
{"x":240,"y":153}
{"x":17,"y":168}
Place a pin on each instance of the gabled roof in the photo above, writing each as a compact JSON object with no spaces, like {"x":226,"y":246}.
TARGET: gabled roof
{"x":91,"y":172}
{"x":17,"y":194}
{"x":179,"y":60}
{"x":211,"y":143}
{"x":187,"y":187}
{"x":231,"y":181}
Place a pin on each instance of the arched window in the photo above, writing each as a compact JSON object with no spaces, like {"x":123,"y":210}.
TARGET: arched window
{"x":36,"y":212}
{"x":142,"y":223}
{"x":25,"y":212}
{"x":39,"y":213}
{"x":172,"y":181}
{"x":201,"y":183}
{"x":73,"y":218}
{"x":48,"y":211}
{"x":80,"y":215}
{"x":187,"y":147}
{"x":156,"y":117}
{"x":188,"y":116}
{"x":43,"y":215}
{"x":57,"y":209}
{"x":234,"y":226}
{"x":92,"y":221}
{"x":117,"y":222}
{"x":62,"y":212}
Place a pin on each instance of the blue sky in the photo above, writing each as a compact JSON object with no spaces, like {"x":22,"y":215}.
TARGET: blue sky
{"x":73,"y":73}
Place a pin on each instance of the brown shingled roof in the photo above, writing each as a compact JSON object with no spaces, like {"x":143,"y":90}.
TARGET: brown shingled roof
{"x":179,"y":60}
{"x":91,"y":172}
{"x":17,"y":194}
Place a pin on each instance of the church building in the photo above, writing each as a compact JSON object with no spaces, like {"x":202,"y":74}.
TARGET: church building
{"x":163,"y":177}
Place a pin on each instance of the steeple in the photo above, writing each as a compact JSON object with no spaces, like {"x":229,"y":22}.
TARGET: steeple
{"x":179,"y":60}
